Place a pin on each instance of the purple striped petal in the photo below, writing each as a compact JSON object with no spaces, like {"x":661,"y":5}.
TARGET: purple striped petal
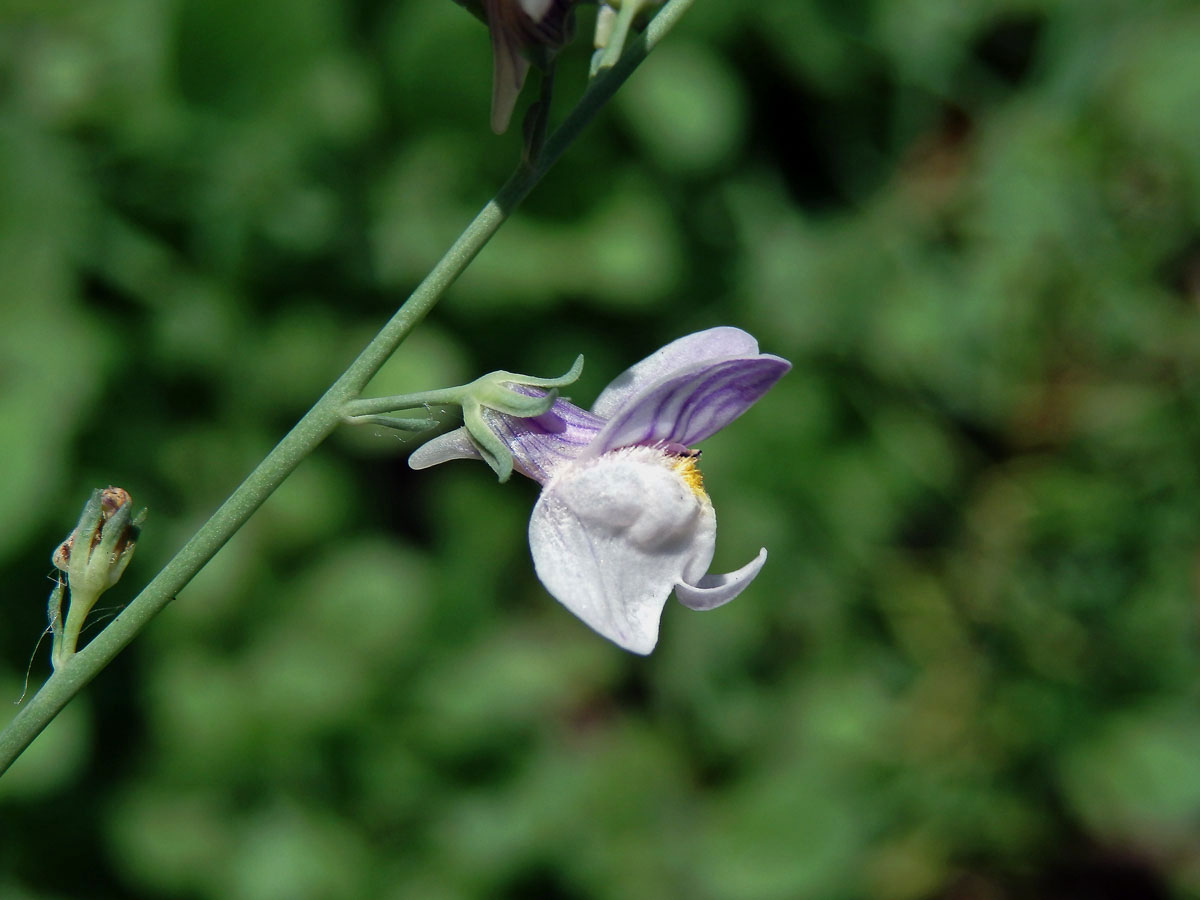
{"x":678,"y":356}
{"x":541,"y":444}
{"x":538,"y":444}
{"x":691,"y":405}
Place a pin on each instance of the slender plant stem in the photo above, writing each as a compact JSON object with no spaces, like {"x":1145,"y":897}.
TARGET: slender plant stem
{"x":367,"y":406}
{"x":81,"y":605}
{"x":324,"y":416}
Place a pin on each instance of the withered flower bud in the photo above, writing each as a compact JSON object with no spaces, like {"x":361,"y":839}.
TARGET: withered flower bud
{"x":523,"y":32}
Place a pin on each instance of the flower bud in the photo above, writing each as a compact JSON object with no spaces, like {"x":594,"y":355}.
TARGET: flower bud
{"x":92,"y":558}
{"x":109,"y":533}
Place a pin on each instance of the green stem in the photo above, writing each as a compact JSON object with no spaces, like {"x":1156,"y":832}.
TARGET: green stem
{"x":371,"y":405}
{"x":80,"y":605}
{"x":324,"y":416}
{"x":538,"y":117}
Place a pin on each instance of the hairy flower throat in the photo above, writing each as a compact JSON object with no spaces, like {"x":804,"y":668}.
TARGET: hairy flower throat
{"x":686,"y":467}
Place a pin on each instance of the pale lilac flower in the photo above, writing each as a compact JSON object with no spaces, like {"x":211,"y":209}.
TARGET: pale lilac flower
{"x":623,"y":518}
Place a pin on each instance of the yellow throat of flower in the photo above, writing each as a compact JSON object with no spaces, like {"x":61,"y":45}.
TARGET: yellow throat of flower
{"x":687,"y":469}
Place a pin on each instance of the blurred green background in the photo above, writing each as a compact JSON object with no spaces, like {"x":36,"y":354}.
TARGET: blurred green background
{"x":969,"y":670}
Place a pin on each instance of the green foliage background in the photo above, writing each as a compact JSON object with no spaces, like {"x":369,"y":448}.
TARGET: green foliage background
{"x":969,"y":669}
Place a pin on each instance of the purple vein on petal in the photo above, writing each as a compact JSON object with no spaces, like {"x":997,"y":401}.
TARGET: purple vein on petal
{"x":692,"y":406}
{"x":539,"y":444}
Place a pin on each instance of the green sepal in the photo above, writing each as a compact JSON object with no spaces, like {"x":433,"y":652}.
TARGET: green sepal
{"x":54,"y":614}
{"x":490,"y":447}
{"x":394,"y":422}
{"x":82,"y":536}
{"x":569,"y":377}
{"x":512,"y":403}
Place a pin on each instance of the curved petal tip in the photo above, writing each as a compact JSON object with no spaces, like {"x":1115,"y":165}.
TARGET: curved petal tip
{"x":714,"y":590}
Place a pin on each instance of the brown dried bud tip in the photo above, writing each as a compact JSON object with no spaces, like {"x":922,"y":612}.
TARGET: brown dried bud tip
{"x":111,"y":499}
{"x":62,"y":556}
{"x":109,"y":533}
